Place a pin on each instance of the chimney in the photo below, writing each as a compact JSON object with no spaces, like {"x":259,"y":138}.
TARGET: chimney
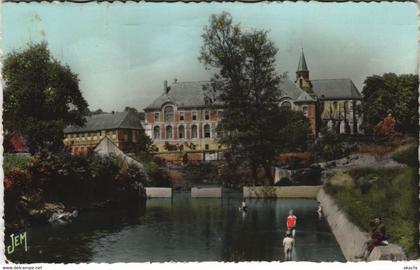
{"x":165,"y":87}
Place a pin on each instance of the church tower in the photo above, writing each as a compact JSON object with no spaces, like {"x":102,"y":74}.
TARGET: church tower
{"x":302,"y":74}
{"x":307,"y":101}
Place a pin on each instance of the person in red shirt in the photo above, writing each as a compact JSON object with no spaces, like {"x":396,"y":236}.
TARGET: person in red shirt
{"x":291,"y":223}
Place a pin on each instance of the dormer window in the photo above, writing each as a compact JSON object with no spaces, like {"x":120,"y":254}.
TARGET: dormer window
{"x":286,"y":105}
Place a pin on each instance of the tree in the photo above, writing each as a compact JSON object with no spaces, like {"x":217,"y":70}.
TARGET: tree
{"x":134,"y":110}
{"x":98,"y":111}
{"x":247,"y":82}
{"x":41,"y":97}
{"x":395,"y":94}
{"x":130,"y":109}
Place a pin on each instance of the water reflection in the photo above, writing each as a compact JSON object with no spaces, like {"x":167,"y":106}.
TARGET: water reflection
{"x":186,"y":229}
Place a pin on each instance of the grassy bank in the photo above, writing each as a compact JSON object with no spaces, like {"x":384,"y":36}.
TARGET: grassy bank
{"x":12,"y":162}
{"x":388,"y":193}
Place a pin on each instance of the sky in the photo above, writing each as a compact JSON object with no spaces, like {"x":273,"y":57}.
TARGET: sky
{"x":123,"y":52}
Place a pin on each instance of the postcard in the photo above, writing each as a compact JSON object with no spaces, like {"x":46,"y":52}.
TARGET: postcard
{"x":210,"y":132}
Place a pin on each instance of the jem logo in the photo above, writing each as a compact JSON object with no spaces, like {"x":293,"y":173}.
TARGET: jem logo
{"x":17,"y":240}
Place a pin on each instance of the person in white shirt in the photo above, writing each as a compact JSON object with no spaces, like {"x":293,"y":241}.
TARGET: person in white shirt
{"x":319,"y":211}
{"x":288,"y":243}
{"x":243,"y":206}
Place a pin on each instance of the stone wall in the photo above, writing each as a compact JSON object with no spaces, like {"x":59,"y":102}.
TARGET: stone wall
{"x":349,"y":237}
{"x":281,"y":192}
{"x":158,"y":192}
{"x":206,"y":192}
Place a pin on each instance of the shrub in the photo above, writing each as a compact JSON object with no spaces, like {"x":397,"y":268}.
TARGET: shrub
{"x":12,"y":162}
{"x":18,"y":181}
{"x":330,"y":147}
{"x":407,"y":155}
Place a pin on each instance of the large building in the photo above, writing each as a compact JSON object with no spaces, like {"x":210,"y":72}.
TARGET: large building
{"x":181,"y":119}
{"x":122,"y":128}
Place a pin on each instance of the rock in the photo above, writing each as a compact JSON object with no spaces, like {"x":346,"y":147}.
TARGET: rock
{"x":389,"y":252}
{"x":62,"y":217}
{"x":54,"y":207}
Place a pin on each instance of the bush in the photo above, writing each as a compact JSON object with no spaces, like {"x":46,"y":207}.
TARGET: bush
{"x":12,"y":162}
{"x":391,"y":194}
{"x":330,"y":147}
{"x":75,"y":179}
{"x":407,"y":154}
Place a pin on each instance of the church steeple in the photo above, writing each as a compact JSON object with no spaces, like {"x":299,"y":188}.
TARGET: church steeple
{"x":302,"y":70}
{"x":302,"y":75}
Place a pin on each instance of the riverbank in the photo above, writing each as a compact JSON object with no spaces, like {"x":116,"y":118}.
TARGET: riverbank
{"x":38,"y":187}
{"x":366,"y":186}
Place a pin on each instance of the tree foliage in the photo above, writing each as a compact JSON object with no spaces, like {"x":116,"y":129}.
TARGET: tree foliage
{"x":41,"y":97}
{"x":395,"y":94}
{"x":248,"y":89}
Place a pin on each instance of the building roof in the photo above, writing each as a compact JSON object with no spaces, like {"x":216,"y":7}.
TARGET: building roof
{"x":106,"y":148}
{"x":191,"y":94}
{"x":302,"y":63}
{"x":305,"y":97}
{"x":184,"y":95}
{"x":15,"y":143}
{"x":290,"y":89}
{"x":105,"y":121}
{"x":335,"y":89}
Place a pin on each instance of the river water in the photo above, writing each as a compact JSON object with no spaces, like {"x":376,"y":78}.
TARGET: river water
{"x":185,"y":229}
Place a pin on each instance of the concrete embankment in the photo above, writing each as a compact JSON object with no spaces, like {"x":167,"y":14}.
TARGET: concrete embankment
{"x":158,"y":192}
{"x":281,"y":192}
{"x":206,"y":192}
{"x":349,"y":237}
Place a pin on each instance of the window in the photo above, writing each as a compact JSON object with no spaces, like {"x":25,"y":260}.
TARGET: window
{"x":305,"y":110}
{"x":286,"y":105}
{"x":206,"y":147}
{"x":206,"y":131}
{"x":156,"y":117}
{"x":194,"y":116}
{"x":126,"y":137}
{"x":193,"y":131}
{"x":181,"y":116}
{"x":169,"y":114}
{"x":207,"y":115}
{"x":168,"y":132}
{"x":156,"y":133}
{"x":181,"y":132}
{"x":220,"y":115}
{"x":219,"y":131}
{"x":134,"y":136}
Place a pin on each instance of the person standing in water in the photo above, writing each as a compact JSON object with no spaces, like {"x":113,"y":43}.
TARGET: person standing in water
{"x":288,"y":243}
{"x":243,"y":206}
{"x":319,"y":211}
{"x":291,"y":223}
